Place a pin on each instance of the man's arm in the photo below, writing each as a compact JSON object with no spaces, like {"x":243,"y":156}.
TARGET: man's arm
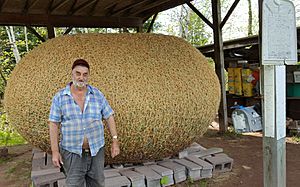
{"x":56,"y":157}
{"x":115,"y":149}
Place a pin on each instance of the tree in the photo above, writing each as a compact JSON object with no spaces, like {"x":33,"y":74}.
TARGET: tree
{"x":249,"y":18}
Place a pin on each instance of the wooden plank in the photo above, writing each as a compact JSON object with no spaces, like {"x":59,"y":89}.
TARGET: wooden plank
{"x":119,"y":181}
{"x":38,"y":173}
{"x":37,"y":164}
{"x":48,"y":179}
{"x":61,"y":183}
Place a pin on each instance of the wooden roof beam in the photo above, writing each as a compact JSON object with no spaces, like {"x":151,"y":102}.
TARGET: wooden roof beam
{"x":92,"y":12}
{"x":72,"y":7}
{"x":153,"y":4}
{"x":50,"y":4}
{"x":158,"y":7}
{"x":199,"y":14}
{"x":28,"y":6}
{"x":58,"y":5}
{"x":235,"y":3}
{"x":128,"y":7}
{"x":82,"y":6}
{"x":2,"y":4}
{"x":69,"y":21}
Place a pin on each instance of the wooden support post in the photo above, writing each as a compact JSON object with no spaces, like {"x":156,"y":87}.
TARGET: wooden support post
{"x":139,"y":29}
{"x":51,"y":32}
{"x":219,"y":63}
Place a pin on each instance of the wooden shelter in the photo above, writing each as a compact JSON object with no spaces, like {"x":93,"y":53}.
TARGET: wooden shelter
{"x":110,"y":14}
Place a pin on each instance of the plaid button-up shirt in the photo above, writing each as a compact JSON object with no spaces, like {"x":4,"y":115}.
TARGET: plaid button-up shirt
{"x":76,"y":124}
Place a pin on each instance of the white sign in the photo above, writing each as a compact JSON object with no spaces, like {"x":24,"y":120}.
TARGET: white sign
{"x":279,"y":38}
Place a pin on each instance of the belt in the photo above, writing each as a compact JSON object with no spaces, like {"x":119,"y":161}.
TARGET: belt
{"x":86,"y":150}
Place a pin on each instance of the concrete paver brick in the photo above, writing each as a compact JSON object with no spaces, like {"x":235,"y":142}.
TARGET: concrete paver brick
{"x":137,"y":179}
{"x":119,"y":181}
{"x":207,"y":152}
{"x":111,"y":173}
{"x":166,"y":173}
{"x":206,"y":171}
{"x":178,"y":170}
{"x":193,"y":170}
{"x":152,"y":178}
{"x":221,"y":163}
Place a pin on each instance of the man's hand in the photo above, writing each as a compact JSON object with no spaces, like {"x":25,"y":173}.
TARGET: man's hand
{"x":115,"y":149}
{"x":56,"y":159}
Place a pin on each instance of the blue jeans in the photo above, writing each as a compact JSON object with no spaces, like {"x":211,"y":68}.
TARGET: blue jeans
{"x":85,"y":170}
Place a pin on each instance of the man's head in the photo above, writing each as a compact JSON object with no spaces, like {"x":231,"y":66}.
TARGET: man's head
{"x":80,"y":73}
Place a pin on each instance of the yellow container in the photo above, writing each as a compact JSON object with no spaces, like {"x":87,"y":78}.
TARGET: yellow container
{"x":238,"y":81}
{"x":231,"y":81}
{"x":247,"y":85}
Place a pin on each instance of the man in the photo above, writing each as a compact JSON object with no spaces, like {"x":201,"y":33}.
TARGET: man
{"x":79,"y":109}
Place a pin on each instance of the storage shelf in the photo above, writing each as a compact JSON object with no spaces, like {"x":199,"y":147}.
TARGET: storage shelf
{"x":292,"y":97}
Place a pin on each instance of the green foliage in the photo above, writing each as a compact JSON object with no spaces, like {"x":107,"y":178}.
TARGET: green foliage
{"x":7,"y":59}
{"x":296,"y":139}
{"x":197,"y":35}
{"x":7,"y":135}
{"x":164,"y":180}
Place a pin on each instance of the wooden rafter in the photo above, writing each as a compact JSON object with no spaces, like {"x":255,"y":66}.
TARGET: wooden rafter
{"x":58,"y":5}
{"x":152,"y":23}
{"x":50,"y":6}
{"x":128,"y":7}
{"x":110,"y":8}
{"x":3,"y":3}
{"x":235,"y":3}
{"x":68,"y":30}
{"x":67,"y":21}
{"x":158,"y":7}
{"x":92,"y":12}
{"x":72,"y":7}
{"x":82,"y":6}
{"x":25,"y":9}
{"x":151,"y":5}
{"x":199,"y":14}
{"x":29,"y":5}
{"x":33,"y":31}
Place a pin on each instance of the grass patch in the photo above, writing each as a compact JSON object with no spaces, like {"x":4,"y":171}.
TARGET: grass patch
{"x":231,"y":133}
{"x":9,"y":139}
{"x":11,"y":170}
{"x":3,"y":160}
{"x":296,"y":139}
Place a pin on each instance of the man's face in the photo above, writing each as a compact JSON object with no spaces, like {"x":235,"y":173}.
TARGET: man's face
{"x":80,"y":76}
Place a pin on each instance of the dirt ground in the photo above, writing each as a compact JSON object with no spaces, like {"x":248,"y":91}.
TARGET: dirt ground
{"x":246,"y":150}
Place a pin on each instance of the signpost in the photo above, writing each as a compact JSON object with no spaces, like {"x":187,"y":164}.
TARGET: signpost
{"x":278,"y":48}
